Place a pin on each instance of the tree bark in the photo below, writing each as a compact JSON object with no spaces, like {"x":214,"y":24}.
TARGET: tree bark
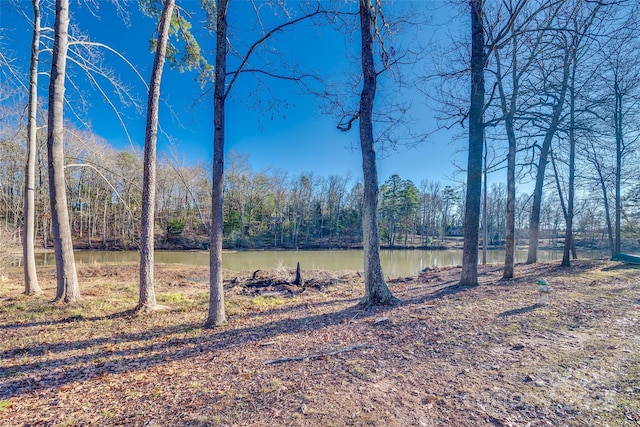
{"x":376,"y":290}
{"x":510,"y":239}
{"x":147,"y":299}
{"x":607,"y":212}
{"x":67,"y":290}
{"x":534,"y":221}
{"x":593,"y":158}
{"x":618,"y":176}
{"x":509,"y":112}
{"x":31,"y":285}
{"x":469,"y":275}
{"x":217,"y":314}
{"x":485,"y":227}
{"x":568,"y":237}
{"x":569,"y":248}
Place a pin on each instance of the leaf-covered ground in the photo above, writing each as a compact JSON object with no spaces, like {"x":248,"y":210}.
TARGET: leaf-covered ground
{"x":444,"y":356}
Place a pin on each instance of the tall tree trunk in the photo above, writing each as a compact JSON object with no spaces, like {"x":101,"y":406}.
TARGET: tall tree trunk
{"x":217,"y":314}
{"x":618,"y":176}
{"x":485,"y":233}
{"x":569,"y":247}
{"x":509,"y":113}
{"x":147,"y":300}
{"x":607,"y":213}
{"x":469,"y":275}
{"x":605,"y":198}
{"x":67,"y":290}
{"x":534,"y":221}
{"x":510,"y":239}
{"x":568,"y":236}
{"x":376,"y":290}
{"x":31,"y":285}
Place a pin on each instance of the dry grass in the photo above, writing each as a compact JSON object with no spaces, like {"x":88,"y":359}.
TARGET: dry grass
{"x":445,"y":356}
{"x":10,"y":251}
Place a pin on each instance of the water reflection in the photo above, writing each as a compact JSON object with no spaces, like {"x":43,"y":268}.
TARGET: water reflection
{"x":395,"y":263}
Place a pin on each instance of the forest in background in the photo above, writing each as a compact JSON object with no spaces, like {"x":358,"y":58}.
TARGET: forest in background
{"x":265,"y":209}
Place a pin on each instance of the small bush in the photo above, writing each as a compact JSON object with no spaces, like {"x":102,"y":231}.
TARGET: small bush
{"x":175,"y":227}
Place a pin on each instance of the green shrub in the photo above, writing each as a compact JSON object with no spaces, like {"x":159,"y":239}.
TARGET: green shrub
{"x":175,"y":227}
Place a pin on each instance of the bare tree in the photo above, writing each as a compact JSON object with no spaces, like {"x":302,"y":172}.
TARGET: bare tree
{"x":571,"y":37}
{"x":602,"y":178}
{"x":147,"y":300}
{"x":520,"y":44}
{"x":469,"y":275}
{"x":67,"y":289}
{"x":222,"y":88}
{"x":217,"y":315}
{"x":554,"y":93}
{"x":622,"y":80}
{"x":30,"y":275}
{"x":376,"y":291}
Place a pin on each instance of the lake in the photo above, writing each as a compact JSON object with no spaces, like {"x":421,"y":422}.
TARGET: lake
{"x":395,"y":263}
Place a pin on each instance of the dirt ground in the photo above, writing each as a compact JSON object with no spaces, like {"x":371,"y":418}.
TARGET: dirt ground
{"x":292,"y":356}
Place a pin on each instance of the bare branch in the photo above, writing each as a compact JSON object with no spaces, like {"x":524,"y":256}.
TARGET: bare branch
{"x":266,"y":36}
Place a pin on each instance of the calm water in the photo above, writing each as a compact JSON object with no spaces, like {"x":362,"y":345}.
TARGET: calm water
{"x":395,"y":263}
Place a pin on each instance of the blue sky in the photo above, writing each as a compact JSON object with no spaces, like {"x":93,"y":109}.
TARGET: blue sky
{"x":294,"y":136}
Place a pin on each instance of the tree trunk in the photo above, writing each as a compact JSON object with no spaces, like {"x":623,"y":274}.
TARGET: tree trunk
{"x":484,"y":209}
{"x":605,"y":199}
{"x":618,"y":177}
{"x":469,"y":276}
{"x":534,"y":221}
{"x":568,"y":237}
{"x":67,"y":290}
{"x":376,"y":290}
{"x":509,"y":112}
{"x":510,"y":239}
{"x":31,"y":285}
{"x":217,"y":314}
{"x":147,"y":300}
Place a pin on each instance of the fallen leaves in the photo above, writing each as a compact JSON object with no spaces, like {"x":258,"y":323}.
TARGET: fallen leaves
{"x":443,"y":357}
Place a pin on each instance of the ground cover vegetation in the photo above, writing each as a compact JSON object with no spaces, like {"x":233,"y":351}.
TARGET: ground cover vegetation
{"x":307,"y":355}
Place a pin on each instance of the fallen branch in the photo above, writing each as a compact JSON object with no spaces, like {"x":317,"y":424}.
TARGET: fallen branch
{"x":316,"y":356}
{"x":265,"y":283}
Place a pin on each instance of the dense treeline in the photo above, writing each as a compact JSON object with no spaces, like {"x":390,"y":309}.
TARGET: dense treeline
{"x":262,"y":209}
